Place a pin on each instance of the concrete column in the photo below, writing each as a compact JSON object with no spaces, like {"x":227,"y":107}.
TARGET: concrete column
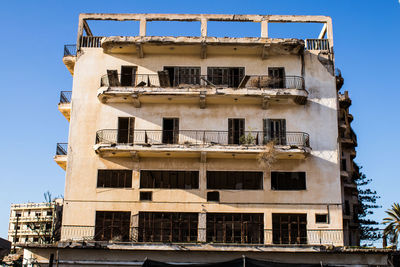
{"x":264,"y":29}
{"x":142,"y":31}
{"x":267,"y":228}
{"x":134,"y":226}
{"x":203,"y":27}
{"x":201,"y":233}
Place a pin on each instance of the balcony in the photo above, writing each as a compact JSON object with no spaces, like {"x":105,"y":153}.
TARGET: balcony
{"x":61,"y":155}
{"x":202,"y":90}
{"x":64,"y":106}
{"x":199,"y":144}
{"x":69,"y":57}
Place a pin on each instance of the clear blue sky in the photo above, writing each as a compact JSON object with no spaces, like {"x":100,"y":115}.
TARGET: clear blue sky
{"x":32,"y":75}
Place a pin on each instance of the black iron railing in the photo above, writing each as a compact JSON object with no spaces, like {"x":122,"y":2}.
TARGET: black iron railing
{"x":177,"y":235}
{"x":200,"y":137}
{"x":70,"y":50}
{"x":62,"y":149}
{"x":65,"y":97}
{"x":317,"y":44}
{"x":113,"y":79}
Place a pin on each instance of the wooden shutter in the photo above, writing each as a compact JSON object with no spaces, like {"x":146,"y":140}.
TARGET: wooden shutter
{"x":282,"y":132}
{"x":113,"y":78}
{"x":230,"y":131}
{"x":266,"y":131}
{"x":241,"y":128}
{"x":176,"y":130}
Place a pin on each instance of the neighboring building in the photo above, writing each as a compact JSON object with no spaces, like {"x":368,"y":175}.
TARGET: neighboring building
{"x":35,"y":222}
{"x":201,"y":149}
{"x":5,"y":248}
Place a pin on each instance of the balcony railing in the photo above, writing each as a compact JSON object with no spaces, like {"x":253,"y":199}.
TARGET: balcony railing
{"x":90,"y":41}
{"x":113,"y":79}
{"x":65,"y":97}
{"x":177,"y":235}
{"x":61,"y":149}
{"x":200,"y":137}
{"x":70,"y":50}
{"x":317,"y":44}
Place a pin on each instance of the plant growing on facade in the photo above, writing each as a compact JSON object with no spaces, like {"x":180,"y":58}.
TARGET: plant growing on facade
{"x":268,"y":156}
{"x":248,"y":139}
{"x":392,"y":229}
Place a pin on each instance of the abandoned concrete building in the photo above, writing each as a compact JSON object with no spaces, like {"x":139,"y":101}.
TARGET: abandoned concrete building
{"x":205,"y":149}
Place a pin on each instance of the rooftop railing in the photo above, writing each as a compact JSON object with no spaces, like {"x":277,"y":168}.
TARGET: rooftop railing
{"x":90,"y":41}
{"x":162,"y":79}
{"x":70,"y":50}
{"x":317,"y":44}
{"x":65,"y":97}
{"x":200,"y":137}
{"x":61,"y":149}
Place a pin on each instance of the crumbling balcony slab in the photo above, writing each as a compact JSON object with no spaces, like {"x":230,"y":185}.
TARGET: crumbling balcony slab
{"x":61,"y":160}
{"x":65,"y":109}
{"x":69,"y":62}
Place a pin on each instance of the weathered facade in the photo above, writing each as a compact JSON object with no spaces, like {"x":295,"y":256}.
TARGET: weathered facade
{"x":201,"y":149}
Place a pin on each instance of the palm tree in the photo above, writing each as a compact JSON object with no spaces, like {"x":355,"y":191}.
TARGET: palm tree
{"x":392,"y":229}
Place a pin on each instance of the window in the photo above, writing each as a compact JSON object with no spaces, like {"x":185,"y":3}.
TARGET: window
{"x":236,"y":180}
{"x":321,"y":218}
{"x":112,"y":225}
{"x":213,"y":196}
{"x":170,"y":133}
{"x":344,"y":165}
{"x":48,"y":226}
{"x":35,"y":239}
{"x":114,"y":178}
{"x":169,"y":179}
{"x":346,"y":207}
{"x":289,"y":228}
{"x":288,"y":180}
{"x":225,"y":76}
{"x":277,"y":76}
{"x":128,"y":75}
{"x":167,"y":227}
{"x":235,"y":228}
{"x":18,"y":214}
{"x":235,"y":130}
{"x":146,"y":196}
{"x":49,"y":213}
{"x":183,"y":75}
{"x":126,"y":128}
{"x":274,"y":130}
{"x":38,"y":214}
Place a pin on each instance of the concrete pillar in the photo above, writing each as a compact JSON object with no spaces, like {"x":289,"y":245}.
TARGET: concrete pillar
{"x":134,"y":227}
{"x":267,"y":228}
{"x":264,"y":29}
{"x":142,"y":31}
{"x":201,"y":233}
{"x":203,"y":27}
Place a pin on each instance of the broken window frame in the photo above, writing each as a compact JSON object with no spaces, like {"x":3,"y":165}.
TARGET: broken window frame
{"x":274,"y":130}
{"x":170,"y":136}
{"x":226,"y":76}
{"x":126,"y":130}
{"x":281,"y":181}
{"x":289,"y":228}
{"x":112,"y":225}
{"x":186,"y":180}
{"x":277,"y":77}
{"x":236,"y":129}
{"x":183,"y":75}
{"x":128,"y":75}
{"x":113,"y":178}
{"x":235,"y":180}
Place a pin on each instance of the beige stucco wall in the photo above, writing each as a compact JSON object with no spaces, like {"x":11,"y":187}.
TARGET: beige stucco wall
{"x":318,"y":118}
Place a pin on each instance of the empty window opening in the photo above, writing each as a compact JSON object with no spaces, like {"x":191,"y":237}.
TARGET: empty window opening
{"x":235,"y":130}
{"x":146,"y":196}
{"x":225,"y":76}
{"x":234,"y":180}
{"x":181,"y":76}
{"x":128,"y":75}
{"x":213,"y":196}
{"x":169,"y":179}
{"x":288,"y":180}
{"x":167,"y":227}
{"x":321,"y":218}
{"x":18,"y":214}
{"x":344,"y":165}
{"x":114,"y":28}
{"x":277,"y":77}
{"x":170,"y":133}
{"x":233,"y":29}
{"x":294,"y":30}
{"x":112,"y":225}
{"x":274,"y":130}
{"x":126,"y":130}
{"x":289,"y":228}
{"x":346,"y":207}
{"x":235,"y":228}
{"x":114,"y":178}
{"x":49,"y":213}
{"x":173,"y":28}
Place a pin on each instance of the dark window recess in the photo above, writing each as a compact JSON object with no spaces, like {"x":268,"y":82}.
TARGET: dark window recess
{"x":355,"y":213}
{"x":50,"y":213}
{"x":288,"y":180}
{"x":48,"y":226}
{"x":167,"y":227}
{"x":274,"y":130}
{"x":126,"y":130}
{"x":128,"y":75}
{"x":112,"y":225}
{"x":222,"y":76}
{"x":213,"y":196}
{"x":344,"y":165}
{"x":346,"y":207}
{"x":235,"y":130}
{"x":235,"y":228}
{"x":169,"y":179}
{"x":114,"y":178}
{"x":289,"y":228}
{"x":35,"y":239}
{"x":234,"y":180}
{"x":321,"y":218}
{"x":146,"y":196}
{"x":18,"y":214}
{"x":179,"y":76}
{"x":170,"y":133}
{"x":277,"y":77}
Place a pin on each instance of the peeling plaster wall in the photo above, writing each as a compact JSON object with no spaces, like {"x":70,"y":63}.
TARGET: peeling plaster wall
{"x":318,"y":118}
